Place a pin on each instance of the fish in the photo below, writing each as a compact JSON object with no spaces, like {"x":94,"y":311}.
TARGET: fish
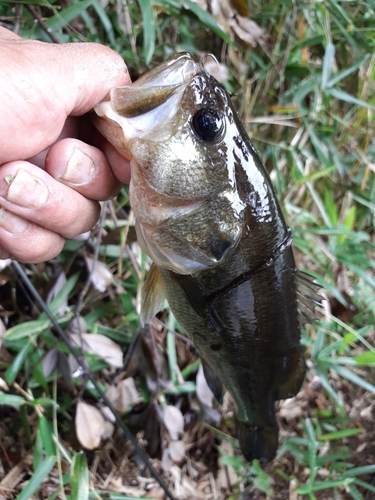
{"x":208,"y":217}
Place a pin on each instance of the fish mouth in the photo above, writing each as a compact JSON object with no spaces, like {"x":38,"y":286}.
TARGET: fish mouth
{"x":152,"y":101}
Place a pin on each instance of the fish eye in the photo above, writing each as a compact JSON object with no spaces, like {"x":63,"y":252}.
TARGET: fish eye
{"x":208,"y":124}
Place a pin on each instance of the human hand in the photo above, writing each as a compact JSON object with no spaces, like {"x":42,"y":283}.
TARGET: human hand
{"x":50,"y":175}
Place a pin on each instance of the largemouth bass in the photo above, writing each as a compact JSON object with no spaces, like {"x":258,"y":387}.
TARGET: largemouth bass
{"x":207,"y":215}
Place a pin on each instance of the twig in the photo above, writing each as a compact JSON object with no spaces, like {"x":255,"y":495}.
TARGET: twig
{"x":41,"y":23}
{"x":86,"y":371}
{"x":95,"y":258}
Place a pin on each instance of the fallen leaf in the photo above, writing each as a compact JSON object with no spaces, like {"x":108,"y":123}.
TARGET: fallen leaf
{"x":238,"y":26}
{"x":54,"y":291}
{"x":90,"y":425}
{"x":217,"y":70}
{"x":166,"y":460}
{"x":176,"y":450}
{"x":173,"y":421}
{"x":156,"y":493}
{"x":123,"y":394}
{"x":100,"y":276}
{"x":2,"y":332}
{"x":101,"y":346}
{"x":206,"y":398}
{"x":49,"y":362}
{"x":4,"y":263}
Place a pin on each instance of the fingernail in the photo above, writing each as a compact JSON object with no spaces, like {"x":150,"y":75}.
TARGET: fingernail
{"x":80,"y":169}
{"x":26,"y":191}
{"x":12,"y":223}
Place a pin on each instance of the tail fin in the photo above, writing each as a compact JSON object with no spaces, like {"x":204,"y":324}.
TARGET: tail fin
{"x":258,"y":441}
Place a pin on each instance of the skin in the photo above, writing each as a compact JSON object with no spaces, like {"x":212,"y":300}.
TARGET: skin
{"x":51,"y":176}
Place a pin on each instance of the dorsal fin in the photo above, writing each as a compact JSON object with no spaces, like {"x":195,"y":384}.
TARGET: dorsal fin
{"x":308,"y":297}
{"x":153,"y":293}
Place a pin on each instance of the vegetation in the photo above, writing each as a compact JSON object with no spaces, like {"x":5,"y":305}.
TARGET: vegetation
{"x":304,"y":80}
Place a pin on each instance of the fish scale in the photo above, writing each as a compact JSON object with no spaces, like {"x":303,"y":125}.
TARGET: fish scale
{"x":208,"y":217}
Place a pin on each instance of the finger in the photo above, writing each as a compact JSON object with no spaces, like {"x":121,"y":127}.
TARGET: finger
{"x":82,"y":167}
{"x":50,"y":82}
{"x":70,"y":129}
{"x":120,"y":165}
{"x":31,"y":193}
{"x":27,"y":242}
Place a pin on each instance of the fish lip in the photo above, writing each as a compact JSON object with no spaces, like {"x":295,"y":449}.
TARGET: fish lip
{"x":177,"y":70}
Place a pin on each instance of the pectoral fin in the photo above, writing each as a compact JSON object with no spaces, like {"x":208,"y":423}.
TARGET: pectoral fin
{"x":153,"y":294}
{"x":196,"y":298}
{"x":308,"y":297}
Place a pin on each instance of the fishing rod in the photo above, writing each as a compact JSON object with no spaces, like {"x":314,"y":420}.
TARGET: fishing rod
{"x":86,"y":371}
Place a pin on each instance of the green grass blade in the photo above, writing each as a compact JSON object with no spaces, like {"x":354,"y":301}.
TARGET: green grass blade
{"x":62,"y":296}
{"x":323,"y":485}
{"x":149,"y":33}
{"x":46,"y":435}
{"x":360,"y":471}
{"x":330,"y":436}
{"x":28,"y":329}
{"x":208,"y":20}
{"x":354,"y":378}
{"x":11,"y":400}
{"x":106,"y":22}
{"x":79,"y":478}
{"x":12,"y":371}
{"x":363,"y":484}
{"x":37,"y":479}
{"x":347,"y":71}
{"x":329,"y":58}
{"x":349,"y":98}
{"x":67,"y":15}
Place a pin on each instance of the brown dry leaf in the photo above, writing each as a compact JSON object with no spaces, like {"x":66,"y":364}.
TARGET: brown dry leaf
{"x":4,"y":263}
{"x":206,"y":398}
{"x":49,"y":362}
{"x":157,"y":493}
{"x":116,"y":485}
{"x":217,"y":70}
{"x":238,"y":27}
{"x":54,"y":291}
{"x":101,"y":346}
{"x":14,"y":477}
{"x":90,"y":425}
{"x":183,"y":486}
{"x":166,"y":460}
{"x":173,"y":421}
{"x":123,"y":394}
{"x":2,"y":332}
{"x":173,"y":454}
{"x":176,"y":450}
{"x":248,"y":31}
{"x":226,"y":476}
{"x":100,"y":276}
{"x":291,"y":408}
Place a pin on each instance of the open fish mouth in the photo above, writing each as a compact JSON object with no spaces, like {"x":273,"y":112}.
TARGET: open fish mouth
{"x":152,"y":101}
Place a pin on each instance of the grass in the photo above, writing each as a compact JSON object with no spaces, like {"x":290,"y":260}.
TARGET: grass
{"x":306,"y":95}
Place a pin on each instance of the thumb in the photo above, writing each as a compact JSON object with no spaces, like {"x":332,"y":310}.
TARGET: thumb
{"x":44,"y":83}
{"x":92,"y":71}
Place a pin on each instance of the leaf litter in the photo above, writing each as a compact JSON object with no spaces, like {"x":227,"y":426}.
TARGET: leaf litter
{"x":170,"y":423}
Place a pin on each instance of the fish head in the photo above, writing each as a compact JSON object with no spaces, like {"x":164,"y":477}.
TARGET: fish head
{"x":178,"y":127}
